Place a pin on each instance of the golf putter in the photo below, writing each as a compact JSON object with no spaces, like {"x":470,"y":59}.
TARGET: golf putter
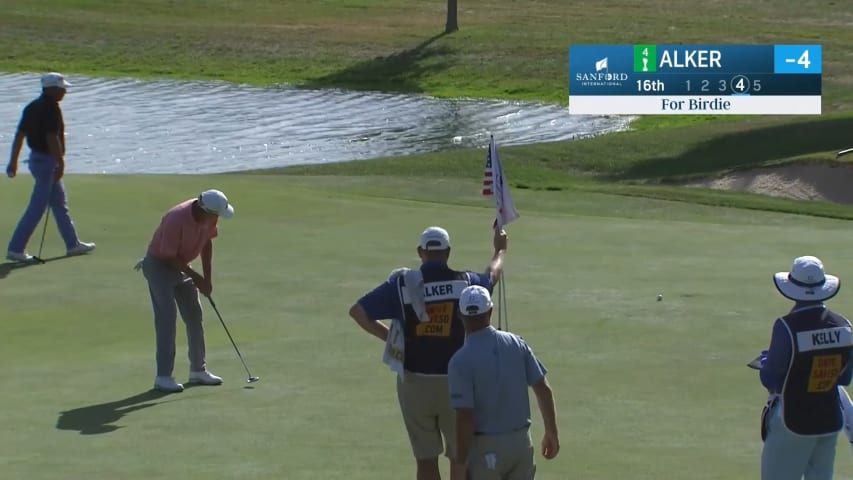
{"x":38,"y":258}
{"x":251,"y":379}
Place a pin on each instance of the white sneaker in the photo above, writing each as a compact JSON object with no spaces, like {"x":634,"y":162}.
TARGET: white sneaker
{"x":19,"y":257}
{"x":81,"y":248}
{"x":167,"y":384}
{"x":204,"y":378}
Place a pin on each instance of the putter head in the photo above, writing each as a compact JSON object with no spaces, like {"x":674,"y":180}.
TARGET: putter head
{"x":253,"y":379}
{"x":38,"y":260}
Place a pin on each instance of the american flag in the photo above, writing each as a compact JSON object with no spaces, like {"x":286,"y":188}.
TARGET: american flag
{"x":496,"y":185}
{"x":488,"y":176}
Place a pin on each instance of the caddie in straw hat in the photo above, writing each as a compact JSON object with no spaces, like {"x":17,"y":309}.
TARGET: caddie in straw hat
{"x":808,"y":358}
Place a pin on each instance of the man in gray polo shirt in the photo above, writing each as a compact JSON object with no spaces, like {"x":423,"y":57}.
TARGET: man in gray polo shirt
{"x":488,"y":380}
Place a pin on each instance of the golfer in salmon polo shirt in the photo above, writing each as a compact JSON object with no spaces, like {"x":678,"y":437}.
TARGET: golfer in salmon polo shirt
{"x":185,"y":233}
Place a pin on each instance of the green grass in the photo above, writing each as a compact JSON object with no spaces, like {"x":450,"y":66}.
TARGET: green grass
{"x":645,"y":390}
{"x":638,"y":163}
{"x":504,"y":49}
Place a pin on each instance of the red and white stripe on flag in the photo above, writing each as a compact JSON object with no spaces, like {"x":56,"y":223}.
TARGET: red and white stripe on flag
{"x":488,"y":176}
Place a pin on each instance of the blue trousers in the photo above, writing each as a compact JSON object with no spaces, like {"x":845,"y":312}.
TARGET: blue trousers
{"x":46,"y":193}
{"x":787,"y":456}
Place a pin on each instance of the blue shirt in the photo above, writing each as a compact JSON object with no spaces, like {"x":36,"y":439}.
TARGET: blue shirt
{"x":779,"y":353}
{"x":491,"y":374}
{"x":383,"y":302}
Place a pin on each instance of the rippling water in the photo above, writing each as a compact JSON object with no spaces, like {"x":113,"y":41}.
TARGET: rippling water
{"x":130,"y":126}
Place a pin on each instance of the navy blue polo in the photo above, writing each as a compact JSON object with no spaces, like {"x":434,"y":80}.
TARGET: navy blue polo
{"x":383,"y":302}
{"x":41,"y":117}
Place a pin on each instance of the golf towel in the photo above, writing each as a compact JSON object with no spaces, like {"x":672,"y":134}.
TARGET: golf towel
{"x":847,"y":408}
{"x":395,"y":345}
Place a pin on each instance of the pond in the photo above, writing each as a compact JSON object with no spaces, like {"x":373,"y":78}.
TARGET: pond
{"x":118,"y":126}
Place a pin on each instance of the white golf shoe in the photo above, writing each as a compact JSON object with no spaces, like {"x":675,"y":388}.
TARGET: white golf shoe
{"x":19,"y":257}
{"x":81,"y":248}
{"x":167,"y":384}
{"x":204,"y":378}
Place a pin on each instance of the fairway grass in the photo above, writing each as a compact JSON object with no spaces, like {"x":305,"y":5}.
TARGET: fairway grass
{"x":645,"y":389}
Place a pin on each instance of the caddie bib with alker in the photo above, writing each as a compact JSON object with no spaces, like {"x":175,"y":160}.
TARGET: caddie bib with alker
{"x":822,"y":343}
{"x":429,"y":345}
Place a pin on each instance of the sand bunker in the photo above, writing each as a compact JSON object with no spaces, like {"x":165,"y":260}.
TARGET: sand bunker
{"x":801,"y":182}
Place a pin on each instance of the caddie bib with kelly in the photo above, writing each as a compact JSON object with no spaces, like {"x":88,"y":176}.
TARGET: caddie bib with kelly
{"x":822,"y":343}
{"x":429,"y":345}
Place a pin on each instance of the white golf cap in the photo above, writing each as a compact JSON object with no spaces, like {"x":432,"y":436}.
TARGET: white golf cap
{"x":435,"y":238}
{"x":216,"y":202}
{"x":474,"y":300}
{"x":807,"y":281}
{"x":53,"y":79}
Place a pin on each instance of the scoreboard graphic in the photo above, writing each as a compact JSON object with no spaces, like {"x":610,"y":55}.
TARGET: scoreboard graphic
{"x":695,"y":79}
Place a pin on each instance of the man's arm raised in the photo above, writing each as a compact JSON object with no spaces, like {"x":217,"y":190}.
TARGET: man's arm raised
{"x":496,"y":265}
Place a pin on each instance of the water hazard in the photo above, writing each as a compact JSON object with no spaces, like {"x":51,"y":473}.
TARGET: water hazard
{"x":130,"y":126}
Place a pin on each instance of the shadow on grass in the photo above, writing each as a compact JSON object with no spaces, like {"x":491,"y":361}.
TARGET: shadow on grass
{"x":752,"y":147}
{"x":8,"y":267}
{"x":399,"y":72}
{"x":97,"y":419}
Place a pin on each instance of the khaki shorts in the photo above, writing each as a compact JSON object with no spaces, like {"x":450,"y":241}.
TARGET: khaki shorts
{"x":425,"y":405}
{"x":507,"y":456}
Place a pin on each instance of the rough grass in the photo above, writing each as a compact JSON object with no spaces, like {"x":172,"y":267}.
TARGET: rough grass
{"x":508,"y":49}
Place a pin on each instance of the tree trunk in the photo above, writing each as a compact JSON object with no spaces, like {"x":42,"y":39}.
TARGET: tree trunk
{"x":452,"y":25}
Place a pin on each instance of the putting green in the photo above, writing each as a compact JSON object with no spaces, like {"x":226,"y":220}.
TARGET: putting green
{"x":645,"y":389}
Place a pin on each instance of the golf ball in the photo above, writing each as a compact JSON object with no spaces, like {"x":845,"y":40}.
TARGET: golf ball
{"x":660,"y":297}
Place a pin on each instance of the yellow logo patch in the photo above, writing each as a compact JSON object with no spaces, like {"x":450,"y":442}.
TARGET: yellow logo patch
{"x":825,"y":372}
{"x":440,"y":319}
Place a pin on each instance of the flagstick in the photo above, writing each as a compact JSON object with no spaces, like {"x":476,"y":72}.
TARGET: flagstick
{"x":503,"y":306}
{"x":499,"y":296}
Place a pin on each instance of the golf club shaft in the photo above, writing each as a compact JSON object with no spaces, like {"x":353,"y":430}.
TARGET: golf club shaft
{"x":43,"y":233}
{"x":212,"y":304}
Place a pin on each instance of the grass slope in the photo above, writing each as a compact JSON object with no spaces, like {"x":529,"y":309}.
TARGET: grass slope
{"x":506,"y":49}
{"x":645,"y":389}
{"x":638,"y":163}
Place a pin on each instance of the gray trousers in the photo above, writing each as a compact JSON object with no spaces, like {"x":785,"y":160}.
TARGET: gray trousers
{"x":787,"y":456}
{"x":507,"y":456}
{"x":172,"y":291}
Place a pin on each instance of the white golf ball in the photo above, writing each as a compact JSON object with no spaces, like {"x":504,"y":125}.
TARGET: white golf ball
{"x":660,"y":297}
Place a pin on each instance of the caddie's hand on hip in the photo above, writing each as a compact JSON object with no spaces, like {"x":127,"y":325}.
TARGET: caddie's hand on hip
{"x":500,"y":241}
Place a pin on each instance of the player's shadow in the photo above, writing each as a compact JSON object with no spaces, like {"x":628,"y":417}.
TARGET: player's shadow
{"x":9,"y":267}
{"x":97,"y":419}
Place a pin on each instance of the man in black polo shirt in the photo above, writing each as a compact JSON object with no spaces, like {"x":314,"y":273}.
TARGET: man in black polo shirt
{"x":44,"y":129}
{"x":808,"y":358}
